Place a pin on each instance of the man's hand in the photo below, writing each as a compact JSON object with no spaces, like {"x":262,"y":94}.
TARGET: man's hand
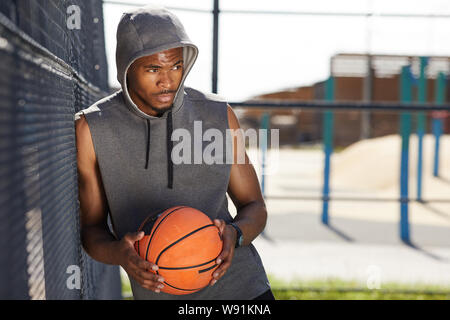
{"x":135,"y":266}
{"x":228,"y":234}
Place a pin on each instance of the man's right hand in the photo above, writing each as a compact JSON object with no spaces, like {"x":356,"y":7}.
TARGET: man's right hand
{"x":135,"y":266}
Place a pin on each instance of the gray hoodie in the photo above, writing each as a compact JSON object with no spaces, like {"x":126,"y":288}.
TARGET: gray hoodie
{"x":140,"y":180}
{"x":144,"y":32}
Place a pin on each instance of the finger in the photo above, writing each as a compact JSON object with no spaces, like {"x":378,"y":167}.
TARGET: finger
{"x":143,"y":264}
{"x":225,"y":258}
{"x":223,"y":255}
{"x":219,"y":273}
{"x":135,"y":236}
{"x":220,"y":224}
{"x":221,"y":270}
{"x":227,"y":248}
{"x":154,"y":286}
{"x":148,"y":284}
{"x":148,"y":276}
{"x":214,"y":277}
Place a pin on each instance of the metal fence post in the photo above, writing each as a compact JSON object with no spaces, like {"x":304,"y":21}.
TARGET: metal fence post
{"x":328,"y":147}
{"x":215,"y":56}
{"x":437,"y":121}
{"x":265,"y":127}
{"x":405,"y":130}
{"x":421,"y":123}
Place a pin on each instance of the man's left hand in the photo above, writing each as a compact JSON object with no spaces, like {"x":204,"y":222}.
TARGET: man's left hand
{"x":229,"y":235}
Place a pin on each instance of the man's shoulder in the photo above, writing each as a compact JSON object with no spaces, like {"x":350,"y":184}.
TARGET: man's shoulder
{"x":196,"y":95}
{"x":101,"y":105}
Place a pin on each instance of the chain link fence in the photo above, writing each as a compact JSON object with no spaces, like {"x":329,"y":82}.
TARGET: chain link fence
{"x":53,"y":64}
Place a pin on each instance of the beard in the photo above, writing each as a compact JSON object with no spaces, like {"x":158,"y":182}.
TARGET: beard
{"x":160,"y":111}
{"x":141,"y":101}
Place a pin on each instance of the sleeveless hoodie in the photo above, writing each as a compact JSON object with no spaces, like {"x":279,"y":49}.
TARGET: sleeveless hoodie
{"x":133,"y":151}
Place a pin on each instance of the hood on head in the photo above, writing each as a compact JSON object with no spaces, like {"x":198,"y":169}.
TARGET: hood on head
{"x":146,"y":31}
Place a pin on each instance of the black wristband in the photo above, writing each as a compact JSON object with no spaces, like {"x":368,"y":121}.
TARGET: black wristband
{"x":239,"y":237}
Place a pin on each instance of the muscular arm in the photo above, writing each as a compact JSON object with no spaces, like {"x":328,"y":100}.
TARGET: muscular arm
{"x":95,"y":235}
{"x":244,"y":189}
{"x":96,"y":238}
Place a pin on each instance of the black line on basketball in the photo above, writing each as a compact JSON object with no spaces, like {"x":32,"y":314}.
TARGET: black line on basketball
{"x":156,"y":228}
{"x":150,"y":218}
{"x":189,"y":267}
{"x":207,"y":269}
{"x":182,"y":288}
{"x":182,"y":238}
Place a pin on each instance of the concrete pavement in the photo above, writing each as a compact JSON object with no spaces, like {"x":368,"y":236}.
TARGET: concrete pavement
{"x":362,"y":241}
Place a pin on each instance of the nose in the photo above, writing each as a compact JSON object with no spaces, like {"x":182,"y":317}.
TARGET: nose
{"x":165,"y":80}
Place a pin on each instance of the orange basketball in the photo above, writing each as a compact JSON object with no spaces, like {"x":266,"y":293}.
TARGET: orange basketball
{"x":185,"y":244}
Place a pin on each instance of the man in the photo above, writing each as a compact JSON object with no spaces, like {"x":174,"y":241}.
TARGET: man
{"x":126,"y":167}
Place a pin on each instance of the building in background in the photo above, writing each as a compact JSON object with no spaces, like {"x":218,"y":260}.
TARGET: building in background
{"x":358,"y":77}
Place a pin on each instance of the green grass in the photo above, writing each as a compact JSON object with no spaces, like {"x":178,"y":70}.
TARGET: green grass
{"x":336,"y":289}
{"x":126,"y":288}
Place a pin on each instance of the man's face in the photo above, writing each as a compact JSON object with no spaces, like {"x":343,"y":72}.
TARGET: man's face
{"x":153,"y":80}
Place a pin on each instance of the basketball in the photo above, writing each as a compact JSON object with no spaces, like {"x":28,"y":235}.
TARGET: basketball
{"x":185,"y":244}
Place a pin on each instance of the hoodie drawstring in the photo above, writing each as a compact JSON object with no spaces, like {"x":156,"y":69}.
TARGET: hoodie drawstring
{"x":169,"y":126}
{"x":169,"y":149}
{"x":148,"y":144}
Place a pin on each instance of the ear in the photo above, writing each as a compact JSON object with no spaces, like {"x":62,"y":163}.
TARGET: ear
{"x":131,"y":70}
{"x":127,"y":81}
{"x":129,"y":75}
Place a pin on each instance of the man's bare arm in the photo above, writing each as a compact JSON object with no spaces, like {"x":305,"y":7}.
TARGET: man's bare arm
{"x":244,"y":191}
{"x":96,"y":237}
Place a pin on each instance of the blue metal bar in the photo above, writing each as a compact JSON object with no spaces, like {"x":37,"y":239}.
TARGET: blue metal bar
{"x":405,"y":130}
{"x":420,"y":135}
{"x":360,"y":199}
{"x":215,"y":56}
{"x":437,"y":122}
{"x":437,"y":132}
{"x":326,"y":180}
{"x":421,"y":124}
{"x":328,"y":148}
{"x":265,"y":127}
{"x":339,"y":105}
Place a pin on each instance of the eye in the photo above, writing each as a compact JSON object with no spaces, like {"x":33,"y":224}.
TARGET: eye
{"x":177,"y":67}
{"x":152,"y":70}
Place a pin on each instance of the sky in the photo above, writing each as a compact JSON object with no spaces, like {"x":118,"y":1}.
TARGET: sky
{"x":260,"y":53}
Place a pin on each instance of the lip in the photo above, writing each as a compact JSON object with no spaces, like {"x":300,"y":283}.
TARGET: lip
{"x":164,"y":97}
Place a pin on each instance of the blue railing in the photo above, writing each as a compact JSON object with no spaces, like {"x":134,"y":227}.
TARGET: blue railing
{"x":405,"y":107}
